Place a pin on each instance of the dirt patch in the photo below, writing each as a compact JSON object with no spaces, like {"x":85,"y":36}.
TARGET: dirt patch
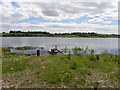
{"x":98,"y":79}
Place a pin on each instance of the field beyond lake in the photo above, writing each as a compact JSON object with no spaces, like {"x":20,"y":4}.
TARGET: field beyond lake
{"x":59,"y":71}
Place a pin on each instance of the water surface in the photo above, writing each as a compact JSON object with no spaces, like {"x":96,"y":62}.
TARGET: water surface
{"x":98,"y":44}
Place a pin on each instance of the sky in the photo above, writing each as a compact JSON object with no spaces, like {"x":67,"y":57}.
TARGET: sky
{"x":63,"y":16}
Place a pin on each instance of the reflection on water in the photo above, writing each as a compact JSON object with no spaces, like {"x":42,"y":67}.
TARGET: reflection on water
{"x":98,"y":44}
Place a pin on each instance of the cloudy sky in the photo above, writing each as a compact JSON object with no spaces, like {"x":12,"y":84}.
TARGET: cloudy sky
{"x":60,"y":17}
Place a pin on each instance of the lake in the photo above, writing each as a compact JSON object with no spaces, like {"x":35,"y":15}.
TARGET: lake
{"x":98,"y":44}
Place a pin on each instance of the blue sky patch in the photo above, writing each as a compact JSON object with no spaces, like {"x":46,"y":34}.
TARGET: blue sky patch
{"x":15,"y":4}
{"x":32,"y":20}
{"x":36,"y":20}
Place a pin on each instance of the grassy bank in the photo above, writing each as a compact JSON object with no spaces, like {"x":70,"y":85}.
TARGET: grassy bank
{"x":82,"y":71}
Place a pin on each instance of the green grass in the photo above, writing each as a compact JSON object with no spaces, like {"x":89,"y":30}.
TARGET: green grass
{"x":83,"y":71}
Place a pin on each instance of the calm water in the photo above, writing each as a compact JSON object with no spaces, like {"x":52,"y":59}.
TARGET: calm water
{"x":97,"y":44}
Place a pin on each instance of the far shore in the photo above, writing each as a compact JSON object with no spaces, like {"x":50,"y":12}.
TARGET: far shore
{"x":65,"y":35}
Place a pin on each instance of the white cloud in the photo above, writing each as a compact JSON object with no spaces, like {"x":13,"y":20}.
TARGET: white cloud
{"x":55,"y":10}
{"x":96,"y":20}
{"x":59,"y":0}
{"x":62,"y":28}
{"x":105,"y":12}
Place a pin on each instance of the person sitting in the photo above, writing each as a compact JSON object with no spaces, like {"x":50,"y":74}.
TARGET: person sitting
{"x":54,"y":51}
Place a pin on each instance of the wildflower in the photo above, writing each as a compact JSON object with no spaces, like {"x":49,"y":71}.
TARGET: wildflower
{"x":11,"y":68}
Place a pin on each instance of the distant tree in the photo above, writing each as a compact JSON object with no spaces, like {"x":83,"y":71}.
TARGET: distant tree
{"x":11,"y":32}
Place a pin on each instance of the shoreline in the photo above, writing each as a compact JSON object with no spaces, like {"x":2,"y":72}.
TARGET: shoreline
{"x":59,"y":37}
{"x":64,"y":51}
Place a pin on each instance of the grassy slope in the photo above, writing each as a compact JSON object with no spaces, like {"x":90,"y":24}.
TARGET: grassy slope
{"x":58,"y":71}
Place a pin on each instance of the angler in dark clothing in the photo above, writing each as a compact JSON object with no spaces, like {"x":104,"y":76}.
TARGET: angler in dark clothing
{"x":54,"y":51}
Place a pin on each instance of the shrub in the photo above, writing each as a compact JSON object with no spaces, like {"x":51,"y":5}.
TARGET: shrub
{"x":69,"y":56}
{"x":73,"y":66}
{"x":75,"y":49}
{"x":92,"y":57}
{"x":25,"y":48}
{"x":65,"y":49}
{"x":92,"y":51}
{"x":105,"y":52}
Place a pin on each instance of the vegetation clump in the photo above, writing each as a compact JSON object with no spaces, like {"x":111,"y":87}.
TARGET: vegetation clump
{"x":25,"y":48}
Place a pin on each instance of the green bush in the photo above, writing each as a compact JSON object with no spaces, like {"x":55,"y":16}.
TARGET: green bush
{"x":92,"y":57}
{"x":75,"y":49}
{"x":73,"y":66}
{"x":92,"y":51}
{"x":65,"y":49}
{"x":69,"y":56}
{"x":25,"y":48}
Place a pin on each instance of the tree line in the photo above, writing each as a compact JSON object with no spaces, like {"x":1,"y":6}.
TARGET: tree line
{"x":47,"y":34}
